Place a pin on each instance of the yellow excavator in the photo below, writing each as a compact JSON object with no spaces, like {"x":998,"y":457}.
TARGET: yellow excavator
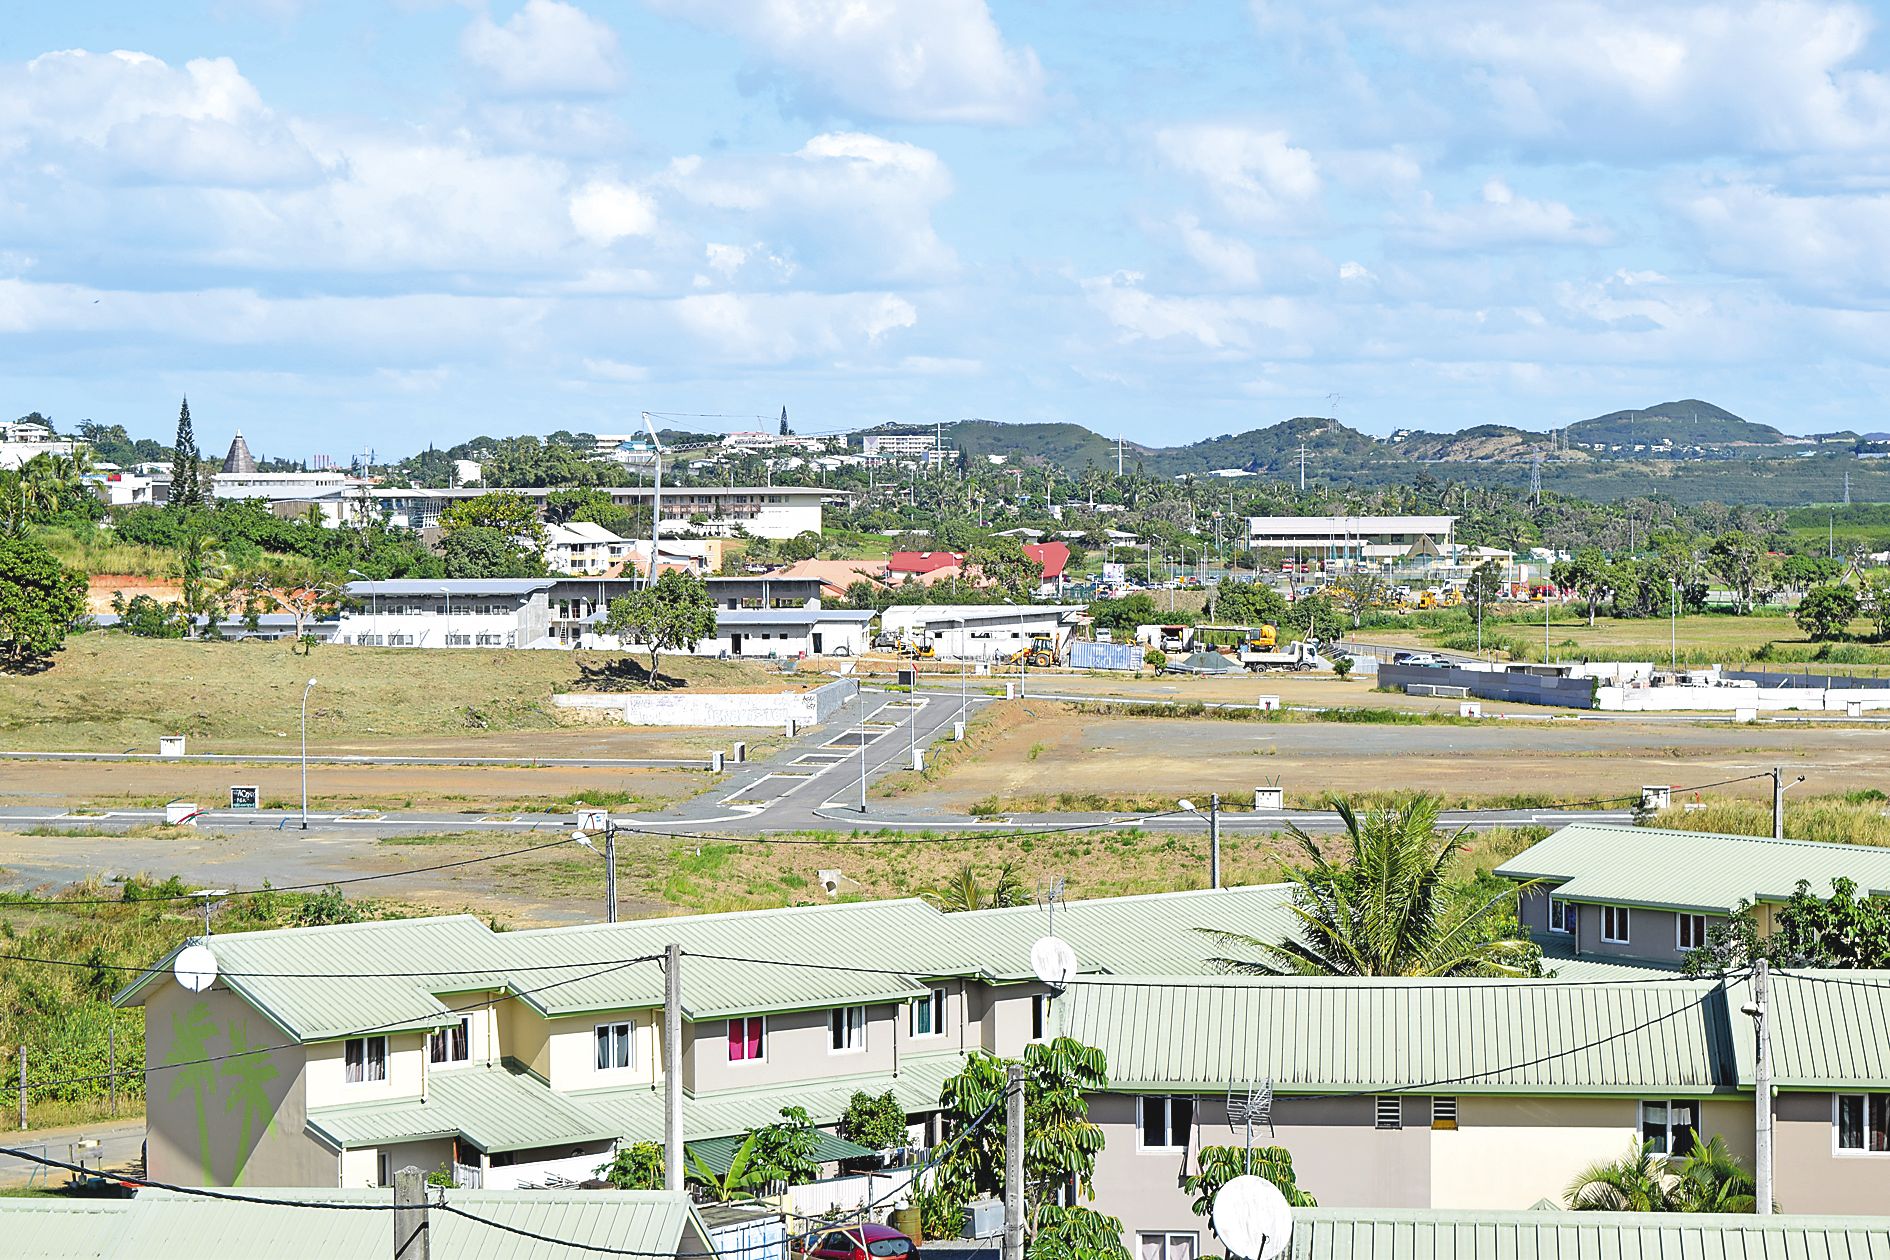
{"x":1041,"y":654}
{"x":918,"y":649}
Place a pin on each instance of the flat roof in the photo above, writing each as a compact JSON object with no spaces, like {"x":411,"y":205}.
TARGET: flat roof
{"x":539,"y":492}
{"x":977,"y":612}
{"x":452,"y":586}
{"x":1352,"y":524}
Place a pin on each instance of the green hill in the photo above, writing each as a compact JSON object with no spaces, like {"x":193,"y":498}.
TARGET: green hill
{"x":1065,"y":446}
{"x":1688,"y":422}
{"x":1274,"y":449}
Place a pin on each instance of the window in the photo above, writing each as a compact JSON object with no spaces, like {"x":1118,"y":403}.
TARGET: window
{"x":1561,"y":916}
{"x":1166,"y":1246}
{"x":615,"y":1049}
{"x":1691,"y":931}
{"x":458,"y":640}
{"x":1387,"y":1112}
{"x":846,"y":1029}
{"x":364,"y":1059}
{"x":928,"y":1014}
{"x":747,"y":1039}
{"x":1165,"y":1121}
{"x":1443,"y":1112}
{"x":1669,"y":1124}
{"x":1039,"y":1015}
{"x":1863,"y":1124}
{"x":1614,"y":924}
{"x":451,"y":1045}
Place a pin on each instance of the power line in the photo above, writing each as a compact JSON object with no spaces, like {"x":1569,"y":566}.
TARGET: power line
{"x":499,"y":972}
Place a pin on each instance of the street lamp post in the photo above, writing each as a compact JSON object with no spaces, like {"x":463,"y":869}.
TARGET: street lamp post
{"x":305,"y":691}
{"x":374,"y":605}
{"x":1213,"y":817}
{"x":610,"y":864}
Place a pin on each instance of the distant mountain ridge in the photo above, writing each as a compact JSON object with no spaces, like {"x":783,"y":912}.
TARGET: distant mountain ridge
{"x":1679,"y":428}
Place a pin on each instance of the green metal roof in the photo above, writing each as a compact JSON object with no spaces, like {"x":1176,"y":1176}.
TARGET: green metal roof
{"x":1832,"y":1027}
{"x":497,"y":1108}
{"x":719,"y":1153}
{"x":809,"y":949}
{"x":1690,"y":870}
{"x":62,"y":1229}
{"x":161,"y":1225}
{"x":1463,"y":1036}
{"x":1434,"y":1234}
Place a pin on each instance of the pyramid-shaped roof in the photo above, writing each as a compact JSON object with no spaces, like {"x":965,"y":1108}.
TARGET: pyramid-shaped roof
{"x":239,"y":460}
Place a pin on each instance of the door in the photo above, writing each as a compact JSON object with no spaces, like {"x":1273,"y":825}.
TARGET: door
{"x":734,"y":645}
{"x":816,"y":643}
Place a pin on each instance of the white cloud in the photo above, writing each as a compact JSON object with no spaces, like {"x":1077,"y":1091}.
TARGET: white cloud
{"x":603,"y":212}
{"x":1499,"y":219}
{"x":1257,"y":176}
{"x":782,"y":327}
{"x":937,"y":365}
{"x":617,"y":370}
{"x":546,"y":48}
{"x":1236,"y":325}
{"x":912,"y":60}
{"x":1634,"y":77}
{"x":128,"y":117}
{"x":857,"y":207}
{"x":1229,"y":262}
{"x":1835,"y":244}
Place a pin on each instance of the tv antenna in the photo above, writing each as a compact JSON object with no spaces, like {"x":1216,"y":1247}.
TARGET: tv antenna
{"x":1048,"y":894}
{"x":1248,"y":1107}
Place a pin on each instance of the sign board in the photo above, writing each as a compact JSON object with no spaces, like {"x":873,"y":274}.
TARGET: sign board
{"x":170,"y":745}
{"x":907,"y":677}
{"x":1114,"y":574}
{"x":245,"y":796}
{"x":589,"y":819}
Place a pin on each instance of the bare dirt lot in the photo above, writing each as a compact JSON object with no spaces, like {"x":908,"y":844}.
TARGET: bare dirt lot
{"x":1056,"y":751}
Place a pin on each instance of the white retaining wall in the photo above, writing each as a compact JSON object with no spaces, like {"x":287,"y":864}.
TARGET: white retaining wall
{"x":717,"y":709}
{"x":1765,"y":699}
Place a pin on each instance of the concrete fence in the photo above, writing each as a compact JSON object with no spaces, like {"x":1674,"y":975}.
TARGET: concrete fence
{"x":712,"y":709}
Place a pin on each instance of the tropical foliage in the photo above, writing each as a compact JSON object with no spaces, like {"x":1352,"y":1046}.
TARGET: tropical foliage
{"x":1215,"y":1166}
{"x":875,"y":1121}
{"x":1708,"y":1178}
{"x":1387,"y":907}
{"x":1842,"y":930}
{"x":965,"y":891}
{"x":672,"y":614}
{"x":638,"y":1166}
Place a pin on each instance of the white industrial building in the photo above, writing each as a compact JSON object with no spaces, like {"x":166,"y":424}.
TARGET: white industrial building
{"x":919,"y":446}
{"x":982,"y":632}
{"x":1350,"y":537}
{"x":584,"y":548}
{"x":449,"y":613}
{"x":780,"y":633}
{"x":21,"y":440}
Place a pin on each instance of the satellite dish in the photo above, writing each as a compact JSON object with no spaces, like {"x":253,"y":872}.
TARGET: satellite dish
{"x":195,"y":968}
{"x":1251,"y":1217}
{"x":1053,"y":960}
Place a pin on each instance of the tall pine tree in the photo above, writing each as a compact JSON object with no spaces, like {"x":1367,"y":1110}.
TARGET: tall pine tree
{"x":784,"y":429}
{"x":186,"y":464}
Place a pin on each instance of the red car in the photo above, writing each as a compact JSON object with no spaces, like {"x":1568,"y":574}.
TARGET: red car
{"x":862,"y":1242}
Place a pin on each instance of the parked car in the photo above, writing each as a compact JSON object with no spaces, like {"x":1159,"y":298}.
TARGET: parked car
{"x":1429,"y":659}
{"x":862,"y":1242}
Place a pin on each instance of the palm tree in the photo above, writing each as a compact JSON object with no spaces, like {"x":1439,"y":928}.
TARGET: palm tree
{"x":1713,"y":1180}
{"x":1637,"y":1182}
{"x":1389,"y":908}
{"x":963,"y":891}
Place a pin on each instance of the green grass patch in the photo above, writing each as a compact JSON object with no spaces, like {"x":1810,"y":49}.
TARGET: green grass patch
{"x":1851,"y":818}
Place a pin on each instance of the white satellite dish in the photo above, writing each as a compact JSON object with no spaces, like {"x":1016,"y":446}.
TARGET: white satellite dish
{"x":1053,"y":960}
{"x":196,"y":967}
{"x":1251,"y":1217}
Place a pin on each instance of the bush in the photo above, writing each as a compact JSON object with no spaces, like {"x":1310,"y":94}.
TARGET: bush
{"x":1155,"y":657}
{"x":874,"y":1121}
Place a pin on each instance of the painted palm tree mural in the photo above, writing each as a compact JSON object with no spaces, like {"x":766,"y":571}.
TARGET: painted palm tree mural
{"x":192,"y":1031}
{"x":250,"y":1073}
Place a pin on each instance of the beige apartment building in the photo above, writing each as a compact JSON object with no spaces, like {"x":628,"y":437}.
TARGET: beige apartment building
{"x":521,"y":1058}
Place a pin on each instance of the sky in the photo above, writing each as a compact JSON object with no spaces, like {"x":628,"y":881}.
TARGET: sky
{"x":343,"y":226}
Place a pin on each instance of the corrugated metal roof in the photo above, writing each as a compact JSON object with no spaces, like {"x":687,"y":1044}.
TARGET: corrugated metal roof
{"x":452,"y":586}
{"x":719,"y":1153}
{"x":1690,"y":870}
{"x":497,"y":1108}
{"x":1829,"y":1027}
{"x":160,"y":1225}
{"x":1434,"y":1234}
{"x":790,"y":616}
{"x":1460,"y":1036}
{"x":62,"y":1229}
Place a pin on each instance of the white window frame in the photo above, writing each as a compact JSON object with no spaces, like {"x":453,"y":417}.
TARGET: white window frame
{"x":1625,"y":923}
{"x":1165,"y":1239}
{"x":1867,"y":1097}
{"x":367,"y":1061}
{"x":1167,"y":1104}
{"x":1680,"y":923}
{"x":1566,"y":916}
{"x":1673,"y":1132}
{"x":613,"y":1027}
{"x":743,"y":1021}
{"x":444,"y":1036}
{"x":1387,"y":1111}
{"x":933,"y":1003}
{"x":846,"y":1030}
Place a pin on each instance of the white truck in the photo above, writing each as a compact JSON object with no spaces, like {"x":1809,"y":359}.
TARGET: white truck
{"x":1300,"y":654}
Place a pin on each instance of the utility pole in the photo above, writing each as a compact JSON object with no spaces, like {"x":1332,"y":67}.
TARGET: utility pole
{"x":1214,"y":840}
{"x":1118,"y":454}
{"x":410,"y":1215}
{"x":1761,"y":1013}
{"x":610,"y":871}
{"x":672,"y":1069}
{"x":863,"y":740}
{"x":1778,"y":801}
{"x":1014,"y":1162}
{"x":656,"y":498}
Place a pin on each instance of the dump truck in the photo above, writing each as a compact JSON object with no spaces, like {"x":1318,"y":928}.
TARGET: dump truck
{"x":1300,"y":654}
